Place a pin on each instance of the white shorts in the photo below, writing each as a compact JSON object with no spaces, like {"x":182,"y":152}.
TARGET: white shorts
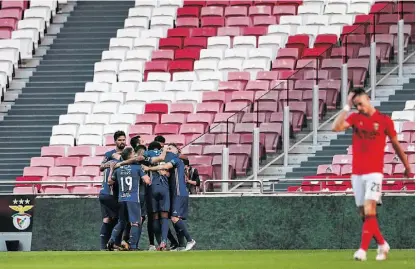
{"x":367,"y":187}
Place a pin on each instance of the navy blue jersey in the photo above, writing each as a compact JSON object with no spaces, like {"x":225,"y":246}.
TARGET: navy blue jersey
{"x":108,"y":156}
{"x":177,"y":175}
{"x":128,"y":178}
{"x":105,"y":188}
{"x":150,"y":154}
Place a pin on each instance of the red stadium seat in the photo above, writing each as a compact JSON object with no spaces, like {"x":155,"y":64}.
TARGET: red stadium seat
{"x":288,"y":53}
{"x":202,"y":118}
{"x":140,"y":130}
{"x":5,"y":33}
{"x":91,"y":161}
{"x":308,"y":97}
{"x":147,"y":119}
{"x":69,"y":161}
{"x":325,"y":41}
{"x":162,"y":55}
{"x":166,"y":129}
{"x":223,"y":139}
{"x":229,"y":87}
{"x":9,"y":23}
{"x":214,"y":97}
{"x":298,"y":41}
{"x":239,"y":76}
{"x":101,"y":150}
{"x":261,"y":11}
{"x":79,"y":181}
{"x":214,"y":22}
{"x":84,"y":190}
{"x":333,"y":66}
{"x":55,"y":191}
{"x":188,"y":12}
{"x":204,"y":32}
{"x":241,"y":3}
{"x":187,"y":54}
{"x":212,"y":150}
{"x":212,"y":11}
{"x":273,"y":132}
{"x":332,"y":88}
{"x":170,"y":43}
{"x":195,"y":42}
{"x":179,"y":32}
{"x":283,"y":64}
{"x":179,"y":140}
{"x":257,"y":85}
{"x":235,"y":11}
{"x":191,"y":129}
{"x":156,"y":66}
{"x":194,"y":3}
{"x":222,"y":128}
{"x":24,"y":190}
{"x":342,"y":159}
{"x":208,"y":107}
{"x":238,"y":21}
{"x":245,"y":96}
{"x":217,"y":168}
{"x":267,"y":75}
{"x":181,"y":66}
{"x":229,"y":31}
{"x":64,"y":171}
{"x":173,"y":119}
{"x":156,"y":108}
{"x":91,"y":171}
{"x":11,"y":13}
{"x":218,"y":3}
{"x":187,"y":22}
{"x":35,"y":171}
{"x":243,"y":154}
{"x":357,"y":71}
{"x":22,"y":4}
{"x":79,"y":151}
{"x":385,"y":42}
{"x":42,"y":161}
{"x":59,"y":182}
{"x":181,"y":108}
{"x":284,"y":10}
{"x":328,"y":170}
{"x":205,"y":139}
{"x":192,"y":150}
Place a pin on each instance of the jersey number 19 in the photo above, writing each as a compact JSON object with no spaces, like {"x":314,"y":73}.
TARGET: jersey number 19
{"x":126,"y":184}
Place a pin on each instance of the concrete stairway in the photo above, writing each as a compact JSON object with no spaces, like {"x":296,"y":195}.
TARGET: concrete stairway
{"x":63,"y":71}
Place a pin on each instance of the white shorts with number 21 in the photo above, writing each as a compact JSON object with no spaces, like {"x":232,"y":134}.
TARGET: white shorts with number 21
{"x":367,"y":187}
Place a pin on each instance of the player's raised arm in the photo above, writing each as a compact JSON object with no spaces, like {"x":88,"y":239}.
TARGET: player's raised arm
{"x":164,"y":166}
{"x":391,"y":133}
{"x":340,"y":123}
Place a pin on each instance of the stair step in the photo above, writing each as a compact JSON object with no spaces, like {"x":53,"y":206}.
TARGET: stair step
{"x":84,"y":51}
{"x":62,"y":78}
{"x":66,"y":68}
{"x":86,"y":57}
{"x":23,"y":123}
{"x":29,"y":117}
{"x":91,"y":35}
{"x":115,"y":24}
{"x":56,"y":90}
{"x":78,"y":46}
{"x":17,"y":166}
{"x":38,"y":111}
{"x":55,"y":95}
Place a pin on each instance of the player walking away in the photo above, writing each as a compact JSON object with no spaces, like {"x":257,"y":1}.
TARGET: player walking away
{"x":128,"y":178}
{"x":370,"y":128}
{"x":178,"y":191}
{"x":107,"y":197}
{"x":160,"y":205}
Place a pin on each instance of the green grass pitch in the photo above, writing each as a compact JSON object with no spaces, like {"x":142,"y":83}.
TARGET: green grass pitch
{"x":295,"y":259}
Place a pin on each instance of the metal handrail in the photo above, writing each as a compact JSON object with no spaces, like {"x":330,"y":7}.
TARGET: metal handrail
{"x":324,"y":123}
{"x":230,"y":180}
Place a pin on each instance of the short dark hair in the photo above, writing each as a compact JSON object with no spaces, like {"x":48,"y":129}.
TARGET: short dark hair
{"x":358,"y":92}
{"x":134,"y":142}
{"x":140,"y":147}
{"x":174,"y":145}
{"x":126,"y":153}
{"x":118,"y":134}
{"x":160,"y":139}
{"x":185,"y":162}
{"x":155,"y":145}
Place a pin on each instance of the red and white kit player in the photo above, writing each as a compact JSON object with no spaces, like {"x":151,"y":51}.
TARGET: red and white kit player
{"x":370,"y":128}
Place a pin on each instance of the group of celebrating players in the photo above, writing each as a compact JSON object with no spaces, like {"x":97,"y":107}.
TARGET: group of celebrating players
{"x":142,"y":182}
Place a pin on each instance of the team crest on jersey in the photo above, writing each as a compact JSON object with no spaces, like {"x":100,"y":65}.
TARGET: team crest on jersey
{"x":376,"y":125}
{"x":21,"y":220}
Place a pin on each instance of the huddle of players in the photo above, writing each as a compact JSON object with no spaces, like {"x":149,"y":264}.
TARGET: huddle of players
{"x":139,"y":180}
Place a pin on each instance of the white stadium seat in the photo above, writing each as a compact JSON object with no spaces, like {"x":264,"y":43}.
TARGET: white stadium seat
{"x":124,"y":86}
{"x":131,"y":76}
{"x":211,"y":76}
{"x":230,"y":65}
{"x":247,"y":42}
{"x":140,"y":12}
{"x":113,"y":55}
{"x":116,"y":97}
{"x":310,"y":9}
{"x":137,"y":23}
{"x":161,"y":22}
{"x":90,"y":140}
{"x":272,"y":41}
{"x":97,"y":87}
{"x":106,"y":67}
{"x":291,"y":20}
{"x":71,"y":119}
{"x":97,"y":119}
{"x":321,"y":20}
{"x":138,"y":54}
{"x":121,"y":43}
{"x":131,"y":108}
{"x":91,"y":129}
{"x":219,"y":42}
{"x":61,"y":140}
{"x":105,"y":108}
{"x":262,"y":53}
{"x":151,"y":86}
{"x":158,"y":76}
{"x":164,"y":12}
{"x":36,"y":24}
{"x":340,"y":9}
{"x":87,"y":97}
{"x":204,"y":86}
{"x":129,"y":32}
{"x":177,"y":86}
{"x":171,"y":3}
{"x":27,"y":35}
{"x":150,"y":43}
{"x":407,"y":115}
{"x":133,"y":65}
{"x":136,"y":98}
{"x":341,"y":20}
{"x":166,"y":97}
{"x":358,"y":8}
{"x":189,"y":97}
{"x":80,"y":108}
{"x":185,"y":76}
{"x":122,"y":119}
{"x":147,"y":3}
{"x":211,"y":54}
{"x":236,"y":53}
{"x":65,"y":130}
{"x":105,"y":77}
{"x":112,"y":128}
{"x":205,"y":65}
{"x":158,"y":32}
{"x":39,"y":12}
{"x":410,"y":105}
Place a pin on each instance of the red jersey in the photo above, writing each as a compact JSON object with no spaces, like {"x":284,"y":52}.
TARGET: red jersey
{"x":369,"y":141}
